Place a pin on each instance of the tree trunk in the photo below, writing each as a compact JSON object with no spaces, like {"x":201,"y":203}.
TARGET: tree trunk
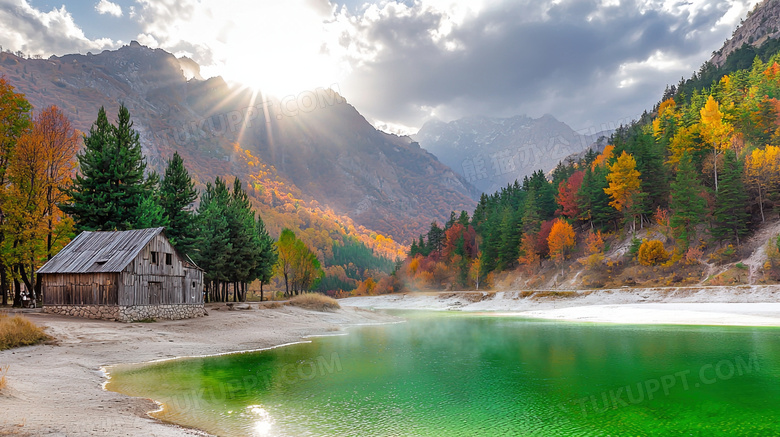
{"x":4,"y":284}
{"x":17,"y":293}
{"x":29,"y":285}
{"x":261,"y":291}
{"x":715,"y":166}
{"x":761,"y":204}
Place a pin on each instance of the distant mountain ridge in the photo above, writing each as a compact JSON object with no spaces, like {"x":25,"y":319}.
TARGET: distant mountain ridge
{"x":323,"y":155}
{"x":493,"y":152}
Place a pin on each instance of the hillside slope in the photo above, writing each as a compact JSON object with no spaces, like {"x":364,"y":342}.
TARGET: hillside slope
{"x":761,"y":25}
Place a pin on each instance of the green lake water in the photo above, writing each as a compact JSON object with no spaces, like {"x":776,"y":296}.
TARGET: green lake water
{"x":480,"y":375}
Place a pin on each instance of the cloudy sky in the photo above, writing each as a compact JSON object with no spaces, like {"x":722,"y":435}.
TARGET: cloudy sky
{"x":402,"y":62}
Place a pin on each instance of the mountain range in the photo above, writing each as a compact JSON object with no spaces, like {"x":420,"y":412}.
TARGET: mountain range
{"x":493,"y":152}
{"x":311,"y":151}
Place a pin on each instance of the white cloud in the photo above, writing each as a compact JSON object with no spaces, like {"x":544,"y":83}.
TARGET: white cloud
{"x":107,"y":7}
{"x":25,"y":28}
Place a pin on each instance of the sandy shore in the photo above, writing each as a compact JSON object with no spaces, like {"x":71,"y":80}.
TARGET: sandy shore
{"x":736,"y":306}
{"x":56,"y":390}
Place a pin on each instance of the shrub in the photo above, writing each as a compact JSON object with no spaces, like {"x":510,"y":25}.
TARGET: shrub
{"x":315,"y":302}
{"x":723,"y":255}
{"x":652,"y":253}
{"x":692,"y":255}
{"x":19,"y":331}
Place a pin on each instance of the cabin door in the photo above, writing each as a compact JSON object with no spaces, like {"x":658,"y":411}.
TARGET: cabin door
{"x":155,"y":293}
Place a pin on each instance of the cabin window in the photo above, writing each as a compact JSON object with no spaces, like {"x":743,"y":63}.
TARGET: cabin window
{"x":168,"y":259}
{"x":155,"y":258}
{"x":193,"y":284}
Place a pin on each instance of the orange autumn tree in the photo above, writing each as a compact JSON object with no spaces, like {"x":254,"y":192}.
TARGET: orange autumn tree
{"x":715,"y":131}
{"x":560,"y":241}
{"x":41,"y":168}
{"x":624,"y":185}
{"x":594,"y":244}
{"x":604,"y":157}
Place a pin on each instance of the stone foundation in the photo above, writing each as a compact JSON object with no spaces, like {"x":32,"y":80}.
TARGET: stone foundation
{"x":128,"y":313}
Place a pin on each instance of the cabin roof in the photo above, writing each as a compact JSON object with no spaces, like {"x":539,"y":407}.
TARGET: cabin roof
{"x":100,"y":252}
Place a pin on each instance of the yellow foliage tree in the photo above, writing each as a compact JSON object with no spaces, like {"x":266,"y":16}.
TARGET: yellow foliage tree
{"x":474,"y":270}
{"x":762,"y":172}
{"x":652,"y":253}
{"x":715,"y":131}
{"x":624,"y":184}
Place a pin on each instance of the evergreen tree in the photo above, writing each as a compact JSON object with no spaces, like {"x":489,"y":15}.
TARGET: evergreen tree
{"x":453,"y":219}
{"x":464,"y":218}
{"x":422,"y":247}
{"x":686,"y":202}
{"x":266,"y":255}
{"x":213,"y":237}
{"x":731,"y":216}
{"x":532,"y":216}
{"x":492,"y":243}
{"x":435,"y":238}
{"x":177,"y":194}
{"x":128,"y":170}
{"x":242,"y":259}
{"x":414,"y":250}
{"x":510,"y":238}
{"x":110,"y":187}
{"x":150,"y":214}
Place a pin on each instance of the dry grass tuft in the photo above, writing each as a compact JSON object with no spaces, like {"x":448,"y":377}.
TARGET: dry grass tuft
{"x":19,"y":331}
{"x":269,"y":305}
{"x":315,"y":301}
{"x":3,"y":372}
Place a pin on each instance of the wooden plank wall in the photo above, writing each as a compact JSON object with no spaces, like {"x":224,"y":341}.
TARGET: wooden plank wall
{"x":80,"y":289}
{"x":146,"y":283}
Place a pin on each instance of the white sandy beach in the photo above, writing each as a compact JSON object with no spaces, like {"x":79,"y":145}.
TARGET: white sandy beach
{"x":737,"y":306}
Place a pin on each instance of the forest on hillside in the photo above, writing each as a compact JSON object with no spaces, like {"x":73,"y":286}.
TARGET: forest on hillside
{"x":694,"y":179}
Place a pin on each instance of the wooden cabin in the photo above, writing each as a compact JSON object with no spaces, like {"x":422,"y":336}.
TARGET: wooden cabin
{"x":124,"y":276}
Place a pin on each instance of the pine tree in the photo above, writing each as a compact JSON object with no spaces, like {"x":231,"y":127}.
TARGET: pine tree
{"x":242,"y":259}
{"x":128,"y":170}
{"x":110,"y":186}
{"x":531,"y":214}
{"x":414,"y":250}
{"x":150,"y":214}
{"x":213,"y":236}
{"x":435,"y":238}
{"x":731,"y":216}
{"x":686,"y":202}
{"x":177,"y":194}
{"x":266,"y":255}
{"x":463,"y":218}
{"x":510,"y":238}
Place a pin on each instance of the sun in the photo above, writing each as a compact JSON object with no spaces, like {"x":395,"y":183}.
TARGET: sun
{"x":278,"y":49}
